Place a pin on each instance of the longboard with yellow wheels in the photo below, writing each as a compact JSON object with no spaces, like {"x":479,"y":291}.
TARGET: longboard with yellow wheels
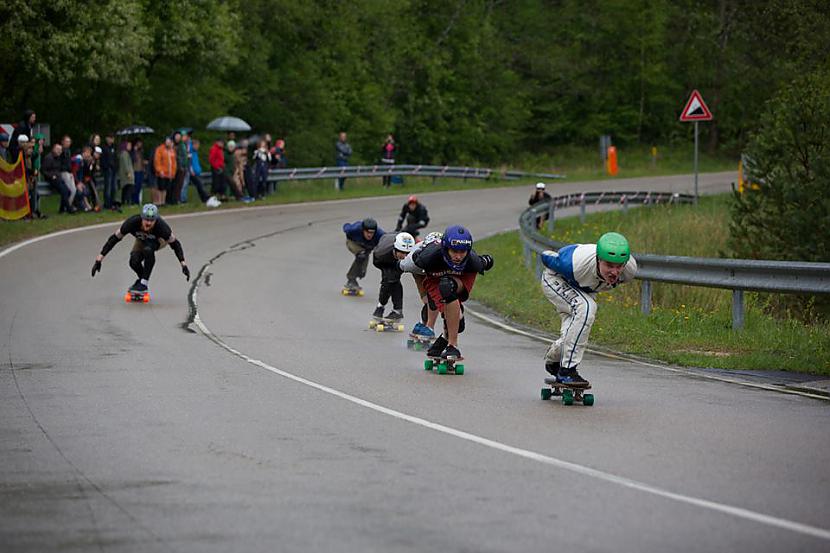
{"x":382,"y":324}
{"x":349,"y":291}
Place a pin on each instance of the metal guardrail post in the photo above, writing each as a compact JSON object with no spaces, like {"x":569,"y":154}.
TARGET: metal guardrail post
{"x":737,"y":309}
{"x":538,"y":266}
{"x":645,"y":297}
{"x":624,"y":201}
{"x":526,"y":248}
{"x":582,"y":209}
{"x":551,"y":213}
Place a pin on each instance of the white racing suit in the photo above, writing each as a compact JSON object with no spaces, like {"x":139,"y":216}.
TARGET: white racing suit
{"x":571,"y":282}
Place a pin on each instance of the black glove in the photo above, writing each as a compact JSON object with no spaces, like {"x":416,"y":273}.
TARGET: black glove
{"x":96,"y":267}
{"x":398,"y":228}
{"x":488,"y":263}
{"x":186,"y":272}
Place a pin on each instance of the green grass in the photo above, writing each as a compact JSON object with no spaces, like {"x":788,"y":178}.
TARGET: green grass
{"x":578,"y":164}
{"x":688,"y":326}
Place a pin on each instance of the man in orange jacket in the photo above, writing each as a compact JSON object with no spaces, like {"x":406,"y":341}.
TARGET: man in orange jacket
{"x":164,"y":162}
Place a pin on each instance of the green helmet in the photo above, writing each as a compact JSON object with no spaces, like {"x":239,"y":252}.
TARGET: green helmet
{"x":613,"y":247}
{"x":149,"y":212}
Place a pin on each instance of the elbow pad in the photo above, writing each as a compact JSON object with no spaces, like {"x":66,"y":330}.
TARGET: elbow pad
{"x":177,"y":249}
{"x":110,"y":244}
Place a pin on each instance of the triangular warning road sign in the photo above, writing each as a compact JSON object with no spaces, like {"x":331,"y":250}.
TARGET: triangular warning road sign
{"x":696,"y":109}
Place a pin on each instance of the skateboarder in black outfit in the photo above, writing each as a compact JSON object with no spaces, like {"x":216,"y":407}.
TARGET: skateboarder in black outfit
{"x":151,"y":234}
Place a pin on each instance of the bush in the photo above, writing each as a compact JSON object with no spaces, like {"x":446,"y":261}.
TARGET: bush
{"x":786,"y":216}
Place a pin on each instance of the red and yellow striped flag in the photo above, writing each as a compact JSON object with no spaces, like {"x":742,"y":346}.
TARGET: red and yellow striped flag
{"x":14,"y":198}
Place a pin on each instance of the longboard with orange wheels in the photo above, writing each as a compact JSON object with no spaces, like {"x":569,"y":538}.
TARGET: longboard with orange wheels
{"x":137,"y":296}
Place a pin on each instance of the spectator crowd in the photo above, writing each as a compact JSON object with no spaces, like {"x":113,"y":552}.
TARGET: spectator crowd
{"x":118,"y":170}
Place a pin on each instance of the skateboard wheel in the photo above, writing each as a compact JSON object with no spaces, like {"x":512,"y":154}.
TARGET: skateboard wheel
{"x":442,"y":368}
{"x":127,"y":298}
{"x":372,"y":324}
{"x":428,"y":364}
{"x":146,"y":298}
{"x":567,"y":397}
{"x":588,"y":399}
{"x":409,"y":343}
{"x":360,"y":292}
{"x":459,"y":370}
{"x":344,"y":292}
{"x":546,"y":393}
{"x":418,"y":346}
{"x":400,"y":328}
{"x":380,"y":328}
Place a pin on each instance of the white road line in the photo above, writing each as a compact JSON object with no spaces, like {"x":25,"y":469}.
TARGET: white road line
{"x":768,"y":387}
{"x":739,"y":512}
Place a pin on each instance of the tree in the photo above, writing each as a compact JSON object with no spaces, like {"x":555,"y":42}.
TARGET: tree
{"x":786,"y":216}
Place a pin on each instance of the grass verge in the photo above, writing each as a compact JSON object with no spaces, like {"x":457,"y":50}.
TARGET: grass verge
{"x":688,"y":326}
{"x":578,"y":164}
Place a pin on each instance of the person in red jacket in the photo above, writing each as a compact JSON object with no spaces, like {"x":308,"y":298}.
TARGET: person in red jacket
{"x":216,"y":158}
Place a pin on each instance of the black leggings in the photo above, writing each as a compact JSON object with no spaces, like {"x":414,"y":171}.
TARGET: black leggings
{"x":142,"y":260}
{"x":390,"y":286}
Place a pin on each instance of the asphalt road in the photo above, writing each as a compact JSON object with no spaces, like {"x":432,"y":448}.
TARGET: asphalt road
{"x":276,"y":421}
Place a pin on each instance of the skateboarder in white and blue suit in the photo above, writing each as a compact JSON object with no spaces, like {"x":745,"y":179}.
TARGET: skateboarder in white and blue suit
{"x":572,"y":278}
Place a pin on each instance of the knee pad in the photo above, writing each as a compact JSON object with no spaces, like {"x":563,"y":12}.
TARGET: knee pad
{"x":448,"y":289}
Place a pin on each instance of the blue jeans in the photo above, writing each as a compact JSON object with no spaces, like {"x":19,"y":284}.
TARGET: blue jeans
{"x":341,"y":181}
{"x":139,"y":180}
{"x":109,"y":187}
{"x":185,"y":182}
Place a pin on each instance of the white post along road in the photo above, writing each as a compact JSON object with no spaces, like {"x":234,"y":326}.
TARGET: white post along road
{"x":272,"y":419}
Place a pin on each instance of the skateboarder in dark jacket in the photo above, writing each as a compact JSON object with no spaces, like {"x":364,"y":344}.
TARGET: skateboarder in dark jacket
{"x":451,"y":267}
{"x":414,"y":214}
{"x":391,"y":249}
{"x":151,"y":234}
{"x":361,"y":238}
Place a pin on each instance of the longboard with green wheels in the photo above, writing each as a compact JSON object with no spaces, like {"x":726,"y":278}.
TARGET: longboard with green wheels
{"x":568,"y":393}
{"x":382,"y":324}
{"x":418,"y":343}
{"x":444,"y":365}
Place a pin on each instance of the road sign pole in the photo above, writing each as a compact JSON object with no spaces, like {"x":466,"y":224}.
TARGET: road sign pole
{"x":696,"y":146}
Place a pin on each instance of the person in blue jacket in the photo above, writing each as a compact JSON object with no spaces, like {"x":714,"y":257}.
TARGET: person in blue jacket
{"x":361,"y":238}
{"x":572,"y":278}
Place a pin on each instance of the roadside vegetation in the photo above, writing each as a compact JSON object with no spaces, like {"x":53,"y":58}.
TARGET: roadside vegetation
{"x":576,"y":163}
{"x":688,"y":326}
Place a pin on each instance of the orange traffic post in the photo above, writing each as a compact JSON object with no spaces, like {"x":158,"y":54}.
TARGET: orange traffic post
{"x":612,"y":161}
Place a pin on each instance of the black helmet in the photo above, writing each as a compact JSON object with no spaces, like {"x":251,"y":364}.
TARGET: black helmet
{"x":370,"y":224}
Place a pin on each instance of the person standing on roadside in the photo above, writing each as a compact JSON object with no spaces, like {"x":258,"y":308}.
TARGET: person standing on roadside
{"x":139,"y":167}
{"x":24,"y":128}
{"x":109,"y":168}
{"x":216,"y":159}
{"x":51,"y":168}
{"x":196,"y":171}
{"x":188,"y":153}
{"x":343,"y":152}
{"x":67,"y":178}
{"x":387,"y":157}
{"x":126,"y":176}
{"x":164,"y":163}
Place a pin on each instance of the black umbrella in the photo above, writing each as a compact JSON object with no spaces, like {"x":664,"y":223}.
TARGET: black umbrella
{"x":228,"y":123}
{"x":135,"y":129}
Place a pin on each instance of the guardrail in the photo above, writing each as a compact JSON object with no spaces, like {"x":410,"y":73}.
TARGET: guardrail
{"x":738,"y":275}
{"x":434,"y":171}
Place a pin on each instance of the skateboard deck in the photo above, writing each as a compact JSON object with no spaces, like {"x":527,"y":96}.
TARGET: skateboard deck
{"x":137,"y":296}
{"x":567,"y":392}
{"x":352,"y":291}
{"x":382,"y":324}
{"x":443,"y":365}
{"x":416,"y":342}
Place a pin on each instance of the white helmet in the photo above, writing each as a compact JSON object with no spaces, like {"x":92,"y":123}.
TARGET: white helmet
{"x":433,"y":237}
{"x":404,"y":242}
{"x":540,"y":186}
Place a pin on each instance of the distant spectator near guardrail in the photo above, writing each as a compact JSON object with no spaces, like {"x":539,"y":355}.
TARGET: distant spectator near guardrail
{"x":139,"y":170}
{"x":539,"y":195}
{"x":126,"y":175}
{"x":387,"y":157}
{"x":343,"y":152}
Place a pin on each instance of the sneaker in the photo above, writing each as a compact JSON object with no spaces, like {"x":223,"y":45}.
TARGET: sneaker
{"x":437,"y":347}
{"x":451,"y":352}
{"x":570,"y":376}
{"x":420,"y":329}
{"x":136,"y":284}
{"x":352,"y":283}
{"x":138,"y":287}
{"x":247,"y":199}
{"x":552,"y":368}
{"x":378,"y":314}
{"x":395,"y":316}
